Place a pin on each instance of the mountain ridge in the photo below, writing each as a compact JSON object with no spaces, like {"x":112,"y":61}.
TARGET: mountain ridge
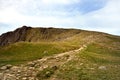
{"x":30,"y":34}
{"x":59,"y":54}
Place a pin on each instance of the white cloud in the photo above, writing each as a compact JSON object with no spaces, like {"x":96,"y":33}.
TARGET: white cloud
{"x":55,"y":13}
{"x":59,"y":1}
{"x":106,"y":19}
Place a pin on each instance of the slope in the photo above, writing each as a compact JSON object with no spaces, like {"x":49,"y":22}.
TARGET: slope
{"x":97,"y":60}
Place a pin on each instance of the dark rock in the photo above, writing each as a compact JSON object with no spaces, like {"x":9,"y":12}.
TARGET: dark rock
{"x":28,"y":34}
{"x":15,"y":36}
{"x":31,"y":64}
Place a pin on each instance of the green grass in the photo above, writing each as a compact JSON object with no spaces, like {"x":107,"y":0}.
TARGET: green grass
{"x":23,"y":51}
{"x":86,"y":65}
{"x":100,"y":54}
{"x":114,"y":38}
{"x":103,"y":51}
{"x":88,"y":71}
{"x":46,"y":73}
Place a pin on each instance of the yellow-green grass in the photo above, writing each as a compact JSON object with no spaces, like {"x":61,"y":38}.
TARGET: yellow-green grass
{"x":24,"y":51}
{"x":100,"y":54}
{"x":86,"y":65}
{"x":101,"y":51}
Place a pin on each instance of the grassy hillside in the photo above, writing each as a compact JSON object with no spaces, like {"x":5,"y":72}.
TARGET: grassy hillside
{"x":24,"y":51}
{"x":96,"y":62}
{"x":29,"y":34}
{"x":52,"y":41}
{"x":99,"y":60}
{"x":49,"y":34}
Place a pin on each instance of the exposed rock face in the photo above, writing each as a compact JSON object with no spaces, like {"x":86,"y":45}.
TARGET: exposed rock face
{"x":15,"y":36}
{"x":30,"y":34}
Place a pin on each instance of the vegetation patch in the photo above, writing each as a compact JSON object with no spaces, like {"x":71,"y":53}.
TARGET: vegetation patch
{"x":25,"y":51}
{"x":46,"y":73}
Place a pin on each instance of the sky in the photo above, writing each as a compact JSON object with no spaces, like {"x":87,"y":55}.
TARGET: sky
{"x":95,"y":15}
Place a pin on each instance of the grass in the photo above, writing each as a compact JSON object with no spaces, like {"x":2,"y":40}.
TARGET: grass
{"x":46,"y":73}
{"x":86,"y":65}
{"x":72,"y":73}
{"x":101,"y":51}
{"x":100,"y":54}
{"x":87,"y":71}
{"x":24,"y":51}
{"x":21,"y":52}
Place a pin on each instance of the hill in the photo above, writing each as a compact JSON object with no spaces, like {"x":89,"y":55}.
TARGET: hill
{"x":59,"y":54}
{"x":29,"y":34}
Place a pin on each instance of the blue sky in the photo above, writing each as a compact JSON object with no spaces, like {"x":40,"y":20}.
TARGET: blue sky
{"x":96,"y":15}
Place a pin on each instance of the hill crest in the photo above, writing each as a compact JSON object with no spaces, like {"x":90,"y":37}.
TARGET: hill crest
{"x":29,"y":34}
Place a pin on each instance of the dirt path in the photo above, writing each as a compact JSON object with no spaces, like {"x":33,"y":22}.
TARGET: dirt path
{"x":30,"y":70}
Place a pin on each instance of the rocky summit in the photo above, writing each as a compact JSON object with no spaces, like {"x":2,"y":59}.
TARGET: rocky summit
{"x":30,"y":34}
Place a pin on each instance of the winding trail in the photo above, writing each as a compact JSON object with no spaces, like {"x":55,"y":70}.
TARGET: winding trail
{"x":30,"y":70}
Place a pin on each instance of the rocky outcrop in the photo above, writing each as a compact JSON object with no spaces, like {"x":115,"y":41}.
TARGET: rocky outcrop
{"x":30,"y":34}
{"x":15,"y":36}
